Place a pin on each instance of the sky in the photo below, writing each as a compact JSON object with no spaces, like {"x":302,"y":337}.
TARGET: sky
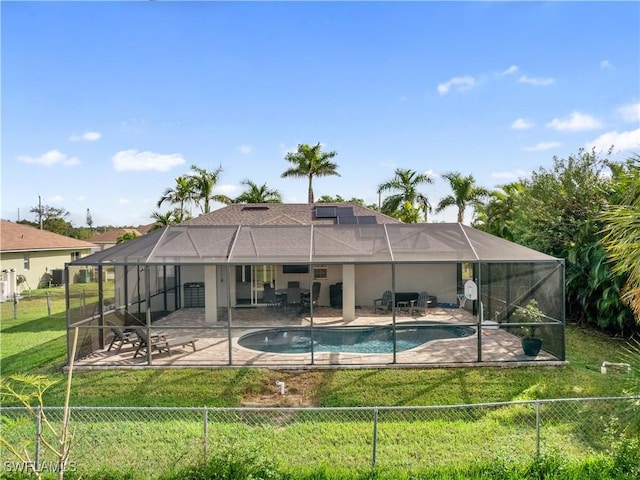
{"x":105,"y":104}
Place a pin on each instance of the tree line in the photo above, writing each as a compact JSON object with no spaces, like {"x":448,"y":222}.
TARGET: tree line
{"x":405,"y":201}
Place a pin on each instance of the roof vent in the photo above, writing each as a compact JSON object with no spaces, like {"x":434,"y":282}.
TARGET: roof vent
{"x":256,"y":207}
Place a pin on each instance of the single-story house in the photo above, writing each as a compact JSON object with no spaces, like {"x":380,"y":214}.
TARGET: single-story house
{"x":34,"y":258}
{"x":316,"y":285}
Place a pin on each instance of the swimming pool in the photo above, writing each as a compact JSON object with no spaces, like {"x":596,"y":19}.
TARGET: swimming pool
{"x":374,"y":339}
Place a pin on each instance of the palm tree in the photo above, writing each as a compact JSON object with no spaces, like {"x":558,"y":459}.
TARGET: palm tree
{"x":202,"y":184}
{"x":465,"y":192}
{"x":496,"y":215}
{"x":258,"y":194}
{"x":181,"y":195}
{"x":164,"y":219}
{"x":622,"y":244}
{"x":310,"y":162}
{"x":406,"y":182}
{"x":622,"y":235}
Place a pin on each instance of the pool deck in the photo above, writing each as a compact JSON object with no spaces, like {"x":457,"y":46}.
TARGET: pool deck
{"x":499,"y":347}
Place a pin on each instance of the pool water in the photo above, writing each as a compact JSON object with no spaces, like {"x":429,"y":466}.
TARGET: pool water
{"x":350,"y":339}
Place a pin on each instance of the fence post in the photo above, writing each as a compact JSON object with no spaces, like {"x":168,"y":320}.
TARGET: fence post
{"x":537,"y":405}
{"x":206,"y":433}
{"x":48,"y":304}
{"x":375,"y":437}
{"x":38,"y":433}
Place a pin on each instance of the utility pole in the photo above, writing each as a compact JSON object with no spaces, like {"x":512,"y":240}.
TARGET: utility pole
{"x":40,"y":210}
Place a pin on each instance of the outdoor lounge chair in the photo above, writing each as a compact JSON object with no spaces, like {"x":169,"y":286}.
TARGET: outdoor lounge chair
{"x":161,"y":342}
{"x":422,"y":304}
{"x":383,"y":304}
{"x":121,"y":337}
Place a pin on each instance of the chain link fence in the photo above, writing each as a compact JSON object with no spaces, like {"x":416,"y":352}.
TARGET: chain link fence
{"x":163,"y":439}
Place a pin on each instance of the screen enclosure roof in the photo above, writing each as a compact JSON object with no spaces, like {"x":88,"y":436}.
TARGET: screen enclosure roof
{"x":261,"y":244}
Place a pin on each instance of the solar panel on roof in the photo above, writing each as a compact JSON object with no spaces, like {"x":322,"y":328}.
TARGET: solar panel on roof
{"x":347,"y":220}
{"x":367,"y":219}
{"x":344,"y":212}
{"x":325,"y":212}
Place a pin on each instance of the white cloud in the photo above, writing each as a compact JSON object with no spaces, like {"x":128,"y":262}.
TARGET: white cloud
{"x":81,"y":198}
{"x":225,"y":189}
{"x":245,"y":149}
{"x":461,"y":84}
{"x":50,"y":158}
{"x":537,"y":81}
{"x":521,"y":124}
{"x":431,"y":174}
{"x":621,"y":141}
{"x":123,"y":201}
{"x":631,"y":112}
{"x":576,"y":122}
{"x":509,"y":175}
{"x":132,"y":160}
{"x":605,"y":65}
{"x":542,"y":146}
{"x":55,"y":199}
{"x":87,"y":137}
{"x":510,"y":71}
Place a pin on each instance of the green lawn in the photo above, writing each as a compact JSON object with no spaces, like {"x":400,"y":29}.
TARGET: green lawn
{"x":35,"y":343}
{"x":122,"y":441}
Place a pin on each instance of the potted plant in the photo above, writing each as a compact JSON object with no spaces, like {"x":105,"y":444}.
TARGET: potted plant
{"x":529,"y":314}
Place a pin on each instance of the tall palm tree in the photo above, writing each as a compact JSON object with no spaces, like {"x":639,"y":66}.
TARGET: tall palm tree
{"x":406,"y":183}
{"x":258,"y":194}
{"x":202,"y":183}
{"x":181,"y":195}
{"x":310,"y":161}
{"x":465,"y":192}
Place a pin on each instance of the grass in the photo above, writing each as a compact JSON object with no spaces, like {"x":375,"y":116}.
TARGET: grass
{"x":35,"y":343}
{"x":450,"y":443}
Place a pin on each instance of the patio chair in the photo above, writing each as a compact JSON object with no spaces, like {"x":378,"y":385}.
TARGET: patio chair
{"x":312,"y":299}
{"x":160,"y":342}
{"x":121,"y":337}
{"x":269,"y":297}
{"x":383,"y":304}
{"x":422,"y":304}
{"x":293,"y":300}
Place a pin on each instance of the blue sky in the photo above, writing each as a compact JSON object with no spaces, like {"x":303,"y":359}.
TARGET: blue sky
{"x":104,"y":104}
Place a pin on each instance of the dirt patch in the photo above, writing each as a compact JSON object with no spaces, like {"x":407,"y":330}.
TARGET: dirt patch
{"x":300,"y":390}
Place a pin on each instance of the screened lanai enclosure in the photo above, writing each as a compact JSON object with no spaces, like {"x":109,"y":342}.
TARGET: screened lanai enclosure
{"x":313,"y":296}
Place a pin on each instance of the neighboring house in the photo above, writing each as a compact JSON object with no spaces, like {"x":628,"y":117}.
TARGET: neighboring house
{"x":235,"y":271}
{"x":110,"y":238}
{"x":35,"y":257}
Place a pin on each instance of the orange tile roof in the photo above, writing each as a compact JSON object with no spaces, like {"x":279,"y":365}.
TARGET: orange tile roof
{"x":16,"y":237}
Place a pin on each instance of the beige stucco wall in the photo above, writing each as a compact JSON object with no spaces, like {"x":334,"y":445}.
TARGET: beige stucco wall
{"x":436,"y":279}
{"x":40,"y":263}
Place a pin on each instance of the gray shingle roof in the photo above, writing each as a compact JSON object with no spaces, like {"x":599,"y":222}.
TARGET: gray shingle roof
{"x":280,"y":214}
